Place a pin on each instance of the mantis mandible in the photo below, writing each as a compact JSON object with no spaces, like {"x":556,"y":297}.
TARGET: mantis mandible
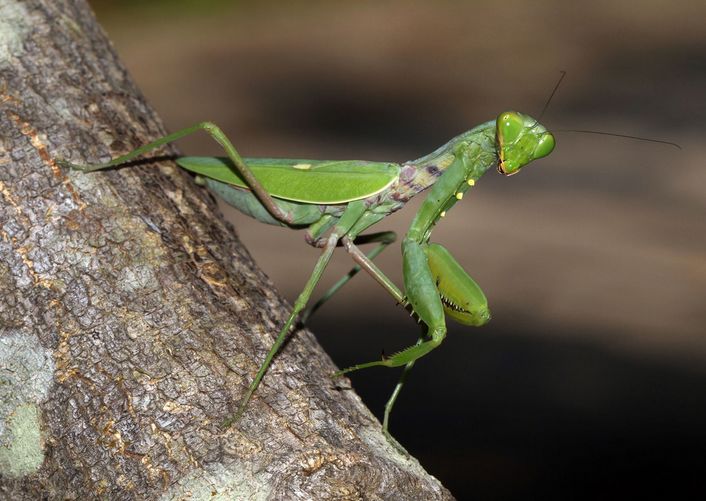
{"x":336,"y":201}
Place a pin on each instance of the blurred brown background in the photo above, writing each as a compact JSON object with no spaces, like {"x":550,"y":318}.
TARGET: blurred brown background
{"x":590,"y":380}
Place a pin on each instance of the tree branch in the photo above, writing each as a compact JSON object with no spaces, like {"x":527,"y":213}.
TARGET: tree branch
{"x":132,"y":319}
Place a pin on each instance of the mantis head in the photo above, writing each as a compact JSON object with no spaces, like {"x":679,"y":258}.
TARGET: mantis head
{"x":520,"y":139}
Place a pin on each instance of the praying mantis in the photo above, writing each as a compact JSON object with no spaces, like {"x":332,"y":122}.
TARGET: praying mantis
{"x":335,"y":202}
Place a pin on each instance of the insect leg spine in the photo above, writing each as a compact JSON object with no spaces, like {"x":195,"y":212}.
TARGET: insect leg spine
{"x":451,"y":304}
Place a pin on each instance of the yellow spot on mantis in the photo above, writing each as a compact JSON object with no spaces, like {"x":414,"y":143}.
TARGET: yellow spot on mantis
{"x":471,"y":182}
{"x":442,"y":214}
{"x":459,"y":195}
{"x":302,"y":166}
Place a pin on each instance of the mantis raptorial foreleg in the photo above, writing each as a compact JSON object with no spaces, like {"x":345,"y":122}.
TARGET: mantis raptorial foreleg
{"x":431,"y":273}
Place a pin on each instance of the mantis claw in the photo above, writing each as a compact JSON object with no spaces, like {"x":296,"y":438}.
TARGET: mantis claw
{"x":394,"y":443}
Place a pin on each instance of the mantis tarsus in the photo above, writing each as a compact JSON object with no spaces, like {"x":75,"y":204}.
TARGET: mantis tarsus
{"x":336,"y":201}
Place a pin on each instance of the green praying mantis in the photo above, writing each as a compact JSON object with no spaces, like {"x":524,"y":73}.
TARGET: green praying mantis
{"x":337,"y":201}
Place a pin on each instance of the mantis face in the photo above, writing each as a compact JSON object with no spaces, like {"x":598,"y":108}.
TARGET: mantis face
{"x":520,"y":140}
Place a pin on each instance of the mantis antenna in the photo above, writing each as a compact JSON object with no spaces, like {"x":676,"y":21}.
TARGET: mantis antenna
{"x":551,"y":96}
{"x":627,"y":136}
{"x":584,"y":131}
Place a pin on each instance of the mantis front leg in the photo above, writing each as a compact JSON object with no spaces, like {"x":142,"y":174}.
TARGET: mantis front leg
{"x":430,"y":274}
{"x":436,"y":285}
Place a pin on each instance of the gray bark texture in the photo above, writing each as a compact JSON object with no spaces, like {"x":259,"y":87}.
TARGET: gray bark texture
{"x":132,"y":319}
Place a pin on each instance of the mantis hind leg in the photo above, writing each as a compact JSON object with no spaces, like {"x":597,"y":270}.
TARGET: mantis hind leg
{"x":217,"y":134}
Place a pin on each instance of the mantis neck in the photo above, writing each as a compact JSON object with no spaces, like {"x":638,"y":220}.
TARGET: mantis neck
{"x":479,"y":142}
{"x":452,"y":170}
{"x":449,"y":170}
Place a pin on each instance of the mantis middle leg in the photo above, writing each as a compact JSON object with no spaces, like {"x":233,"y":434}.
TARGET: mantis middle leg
{"x":366,"y":263}
{"x":352,"y":214}
{"x":424,"y":298}
{"x":384,"y":238}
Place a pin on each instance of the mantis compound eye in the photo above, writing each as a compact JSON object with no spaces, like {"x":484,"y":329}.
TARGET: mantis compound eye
{"x":509,"y":126}
{"x":545,"y":145}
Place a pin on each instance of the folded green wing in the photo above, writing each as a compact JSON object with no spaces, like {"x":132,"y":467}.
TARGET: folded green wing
{"x":309,"y":181}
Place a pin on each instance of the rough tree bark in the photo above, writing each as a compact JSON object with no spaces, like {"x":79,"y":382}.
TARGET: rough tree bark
{"x":132,"y":319}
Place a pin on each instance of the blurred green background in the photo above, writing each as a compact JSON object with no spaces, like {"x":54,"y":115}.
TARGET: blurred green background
{"x":589,"y":382}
